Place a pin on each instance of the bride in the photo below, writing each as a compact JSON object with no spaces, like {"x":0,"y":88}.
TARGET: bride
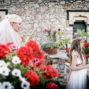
{"x":78,"y":74}
{"x":9,"y":28}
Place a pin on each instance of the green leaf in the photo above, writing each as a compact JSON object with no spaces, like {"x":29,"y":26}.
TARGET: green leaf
{"x":60,"y":33}
{"x":42,"y":81}
{"x":49,"y":45}
{"x":82,"y":32}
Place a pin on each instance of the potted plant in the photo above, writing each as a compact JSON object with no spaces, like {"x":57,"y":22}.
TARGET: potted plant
{"x":63,"y":43}
{"x":50,"y":47}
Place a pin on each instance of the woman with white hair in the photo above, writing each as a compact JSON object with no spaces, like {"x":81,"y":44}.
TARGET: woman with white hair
{"x":9,"y":28}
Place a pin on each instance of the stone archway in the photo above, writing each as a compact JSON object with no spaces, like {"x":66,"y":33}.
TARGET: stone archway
{"x":78,"y":17}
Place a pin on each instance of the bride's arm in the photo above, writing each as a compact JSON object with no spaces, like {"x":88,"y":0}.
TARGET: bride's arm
{"x":74,"y":67}
{"x":24,"y":40}
{"x":30,"y":37}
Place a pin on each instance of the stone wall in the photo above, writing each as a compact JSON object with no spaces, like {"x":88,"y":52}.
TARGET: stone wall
{"x":37,"y":16}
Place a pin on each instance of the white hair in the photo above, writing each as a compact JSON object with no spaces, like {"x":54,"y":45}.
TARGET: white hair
{"x":13,"y":18}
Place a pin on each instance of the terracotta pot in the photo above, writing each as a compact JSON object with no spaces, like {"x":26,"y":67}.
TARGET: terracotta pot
{"x":51,"y":51}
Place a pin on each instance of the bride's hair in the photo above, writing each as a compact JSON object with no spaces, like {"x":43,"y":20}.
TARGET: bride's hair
{"x":76,"y":46}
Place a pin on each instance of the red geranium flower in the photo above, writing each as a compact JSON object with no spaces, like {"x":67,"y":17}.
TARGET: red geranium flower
{"x":67,"y":50}
{"x":43,"y":69}
{"x":4,"y":50}
{"x":25,"y":54}
{"x":86,"y":44}
{"x":52,"y":86}
{"x":59,"y":74}
{"x":37,"y":61}
{"x":49,"y":72}
{"x":87,"y":56}
{"x":12,"y":47}
{"x":32,"y":77}
{"x":39,"y":55}
{"x":33,"y":45}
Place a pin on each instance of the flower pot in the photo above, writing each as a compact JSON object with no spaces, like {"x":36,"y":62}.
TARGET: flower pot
{"x":51,"y":51}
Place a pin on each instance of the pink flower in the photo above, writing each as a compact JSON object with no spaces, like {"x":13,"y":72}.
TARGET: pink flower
{"x":55,"y":31}
{"x":45,"y":30}
{"x":36,"y":60}
{"x":11,"y":46}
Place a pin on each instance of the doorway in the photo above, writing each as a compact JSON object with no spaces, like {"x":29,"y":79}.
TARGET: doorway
{"x":81,"y":25}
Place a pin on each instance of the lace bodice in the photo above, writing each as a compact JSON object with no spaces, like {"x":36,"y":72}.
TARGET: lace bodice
{"x":79,"y":61}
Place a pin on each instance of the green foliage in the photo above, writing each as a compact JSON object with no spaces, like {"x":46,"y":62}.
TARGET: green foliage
{"x":22,"y":68}
{"x":86,"y":50}
{"x":10,"y":56}
{"x":49,"y":45}
{"x":50,"y":62}
{"x":12,"y":66}
{"x":52,"y":36}
{"x":62,"y":44}
{"x":15,"y":81}
{"x":82,"y":32}
{"x":60,"y":33}
{"x":42,"y":80}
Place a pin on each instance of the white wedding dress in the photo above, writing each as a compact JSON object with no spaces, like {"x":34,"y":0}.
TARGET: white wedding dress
{"x":78,"y":79}
{"x":7,"y":34}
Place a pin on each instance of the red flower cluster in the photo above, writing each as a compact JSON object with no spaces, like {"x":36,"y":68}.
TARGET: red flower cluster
{"x":4,"y":50}
{"x":33,"y":45}
{"x":86,"y":49}
{"x":12,"y":47}
{"x":49,"y":72}
{"x":39,"y":56}
{"x":43,"y":68}
{"x":86,"y":44}
{"x":25,"y":54}
{"x":67,"y":50}
{"x":32,"y":77}
{"x":87,"y":55}
{"x":52,"y":86}
{"x":31,"y":52}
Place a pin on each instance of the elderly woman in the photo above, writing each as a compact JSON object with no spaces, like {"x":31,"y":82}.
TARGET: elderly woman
{"x":9,"y":28}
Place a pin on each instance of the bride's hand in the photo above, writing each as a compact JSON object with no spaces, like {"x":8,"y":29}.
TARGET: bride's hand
{"x":30,"y":37}
{"x":87,"y":65}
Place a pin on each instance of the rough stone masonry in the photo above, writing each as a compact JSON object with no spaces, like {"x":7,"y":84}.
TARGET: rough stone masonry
{"x":40,"y":15}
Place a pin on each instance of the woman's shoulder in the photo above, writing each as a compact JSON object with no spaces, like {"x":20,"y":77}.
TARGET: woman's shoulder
{"x":75,"y":53}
